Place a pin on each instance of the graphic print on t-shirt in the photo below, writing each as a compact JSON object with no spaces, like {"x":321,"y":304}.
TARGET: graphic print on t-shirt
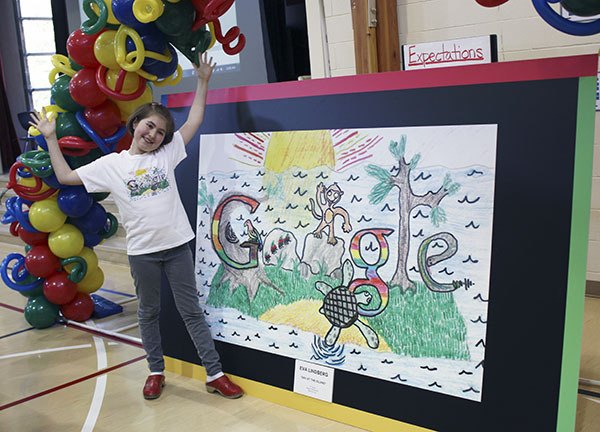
{"x":147,"y":182}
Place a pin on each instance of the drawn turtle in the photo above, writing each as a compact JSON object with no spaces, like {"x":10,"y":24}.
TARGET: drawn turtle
{"x":340,"y":307}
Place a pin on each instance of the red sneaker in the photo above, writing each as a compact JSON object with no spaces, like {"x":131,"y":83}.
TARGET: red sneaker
{"x":225,"y":387}
{"x":153,"y":386}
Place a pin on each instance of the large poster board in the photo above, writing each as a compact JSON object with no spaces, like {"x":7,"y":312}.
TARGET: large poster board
{"x":418,"y":234}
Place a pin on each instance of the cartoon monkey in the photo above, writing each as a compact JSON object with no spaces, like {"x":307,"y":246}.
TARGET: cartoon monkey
{"x":327,"y":198}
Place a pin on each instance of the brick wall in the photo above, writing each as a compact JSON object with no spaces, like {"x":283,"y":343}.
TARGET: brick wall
{"x":522,"y":34}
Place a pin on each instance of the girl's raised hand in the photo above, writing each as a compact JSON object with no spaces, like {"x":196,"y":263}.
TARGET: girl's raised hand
{"x":205,"y":66}
{"x":40,"y":121}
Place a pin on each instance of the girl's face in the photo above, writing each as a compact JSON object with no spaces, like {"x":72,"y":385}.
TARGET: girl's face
{"x":148,"y":134}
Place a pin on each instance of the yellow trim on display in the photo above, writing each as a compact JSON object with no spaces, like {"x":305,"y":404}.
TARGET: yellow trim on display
{"x":300,"y":402}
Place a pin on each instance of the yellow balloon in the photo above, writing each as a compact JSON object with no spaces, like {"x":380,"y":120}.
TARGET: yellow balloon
{"x":104,"y":49}
{"x":61,"y":65}
{"x":30,"y":182}
{"x":65,"y":242}
{"x":90,"y":258}
{"x":92,"y":281}
{"x":111,"y":16}
{"x":128,"y":107}
{"x":123,"y":33}
{"x":146,"y":11}
{"x":213,"y":37}
{"x":130,"y":83}
{"x":45,"y":215}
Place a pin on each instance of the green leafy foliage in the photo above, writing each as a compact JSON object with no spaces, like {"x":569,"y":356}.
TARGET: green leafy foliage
{"x":204,"y":198}
{"x":414,"y":161}
{"x":450,"y":186}
{"x":379,"y":173}
{"x":438,"y":216}
{"x":416,"y":323}
{"x":385,"y":185}
{"x":397,"y":149}
{"x":380,"y":191}
{"x":275,"y":187}
{"x":292,"y":283}
{"x":421,"y":323}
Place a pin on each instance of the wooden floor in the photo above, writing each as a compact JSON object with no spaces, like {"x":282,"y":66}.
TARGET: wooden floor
{"x":69,"y":379}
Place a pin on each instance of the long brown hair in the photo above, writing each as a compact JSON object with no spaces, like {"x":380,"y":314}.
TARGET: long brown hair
{"x":145,"y":111}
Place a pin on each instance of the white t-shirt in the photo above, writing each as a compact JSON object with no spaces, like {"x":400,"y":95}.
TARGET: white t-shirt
{"x":145,"y":192}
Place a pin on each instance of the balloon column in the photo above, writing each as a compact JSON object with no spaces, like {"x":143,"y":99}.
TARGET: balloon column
{"x":122,"y":50}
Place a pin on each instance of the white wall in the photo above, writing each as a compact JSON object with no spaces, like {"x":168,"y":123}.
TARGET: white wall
{"x":522,"y":34}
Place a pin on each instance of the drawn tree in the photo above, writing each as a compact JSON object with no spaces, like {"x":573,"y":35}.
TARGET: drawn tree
{"x":408,"y":200}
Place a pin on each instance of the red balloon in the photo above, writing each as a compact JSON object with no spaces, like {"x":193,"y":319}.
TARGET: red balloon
{"x":491,"y":3}
{"x":124,"y":143}
{"x":32,"y":238}
{"x":105,"y":118}
{"x":84,"y":89}
{"x":58,"y":289}
{"x":80,"y":308}
{"x":81,"y":48}
{"x":41,"y":262}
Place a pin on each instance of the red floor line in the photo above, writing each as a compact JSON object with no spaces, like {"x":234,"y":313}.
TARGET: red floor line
{"x":16,"y":309}
{"x":104,"y":335}
{"x":70,"y":383}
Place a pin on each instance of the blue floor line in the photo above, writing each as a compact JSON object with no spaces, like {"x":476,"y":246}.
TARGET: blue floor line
{"x":117,"y":292}
{"x":15,"y":333}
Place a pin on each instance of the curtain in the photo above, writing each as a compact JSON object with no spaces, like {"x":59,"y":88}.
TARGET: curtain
{"x":276,"y":40}
{"x":9,"y":143}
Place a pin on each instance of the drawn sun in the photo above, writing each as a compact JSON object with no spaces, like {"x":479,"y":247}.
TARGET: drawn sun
{"x":338,"y":149}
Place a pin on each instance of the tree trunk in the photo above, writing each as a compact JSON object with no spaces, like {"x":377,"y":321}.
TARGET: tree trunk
{"x":250,"y":279}
{"x":400,"y":277}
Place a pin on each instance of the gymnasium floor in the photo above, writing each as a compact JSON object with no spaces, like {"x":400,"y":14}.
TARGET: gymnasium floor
{"x":69,"y":379}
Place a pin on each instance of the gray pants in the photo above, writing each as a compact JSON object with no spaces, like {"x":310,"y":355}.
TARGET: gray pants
{"x":178,"y":265}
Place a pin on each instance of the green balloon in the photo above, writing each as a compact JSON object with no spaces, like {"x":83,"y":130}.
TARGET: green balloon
{"x":78,"y":161}
{"x":67,"y":125}
{"x":61,"y":95}
{"x":192,"y":43}
{"x":40,"y":313}
{"x":582,"y":8}
{"x":74,"y":65}
{"x":176,"y":19}
{"x":34,"y":292}
{"x":100,"y":196}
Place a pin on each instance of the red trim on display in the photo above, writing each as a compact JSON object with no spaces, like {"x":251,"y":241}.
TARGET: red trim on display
{"x":525,"y":70}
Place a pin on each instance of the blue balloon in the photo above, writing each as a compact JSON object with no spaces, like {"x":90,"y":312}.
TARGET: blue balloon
{"x":53,"y":182}
{"x":93,"y":221}
{"x":41,"y":142}
{"x":14,"y":208}
{"x":123,"y":12}
{"x":91,"y":239}
{"x":152,"y":39}
{"x":74,"y":201}
{"x":163,"y":69}
{"x":21,"y":280}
